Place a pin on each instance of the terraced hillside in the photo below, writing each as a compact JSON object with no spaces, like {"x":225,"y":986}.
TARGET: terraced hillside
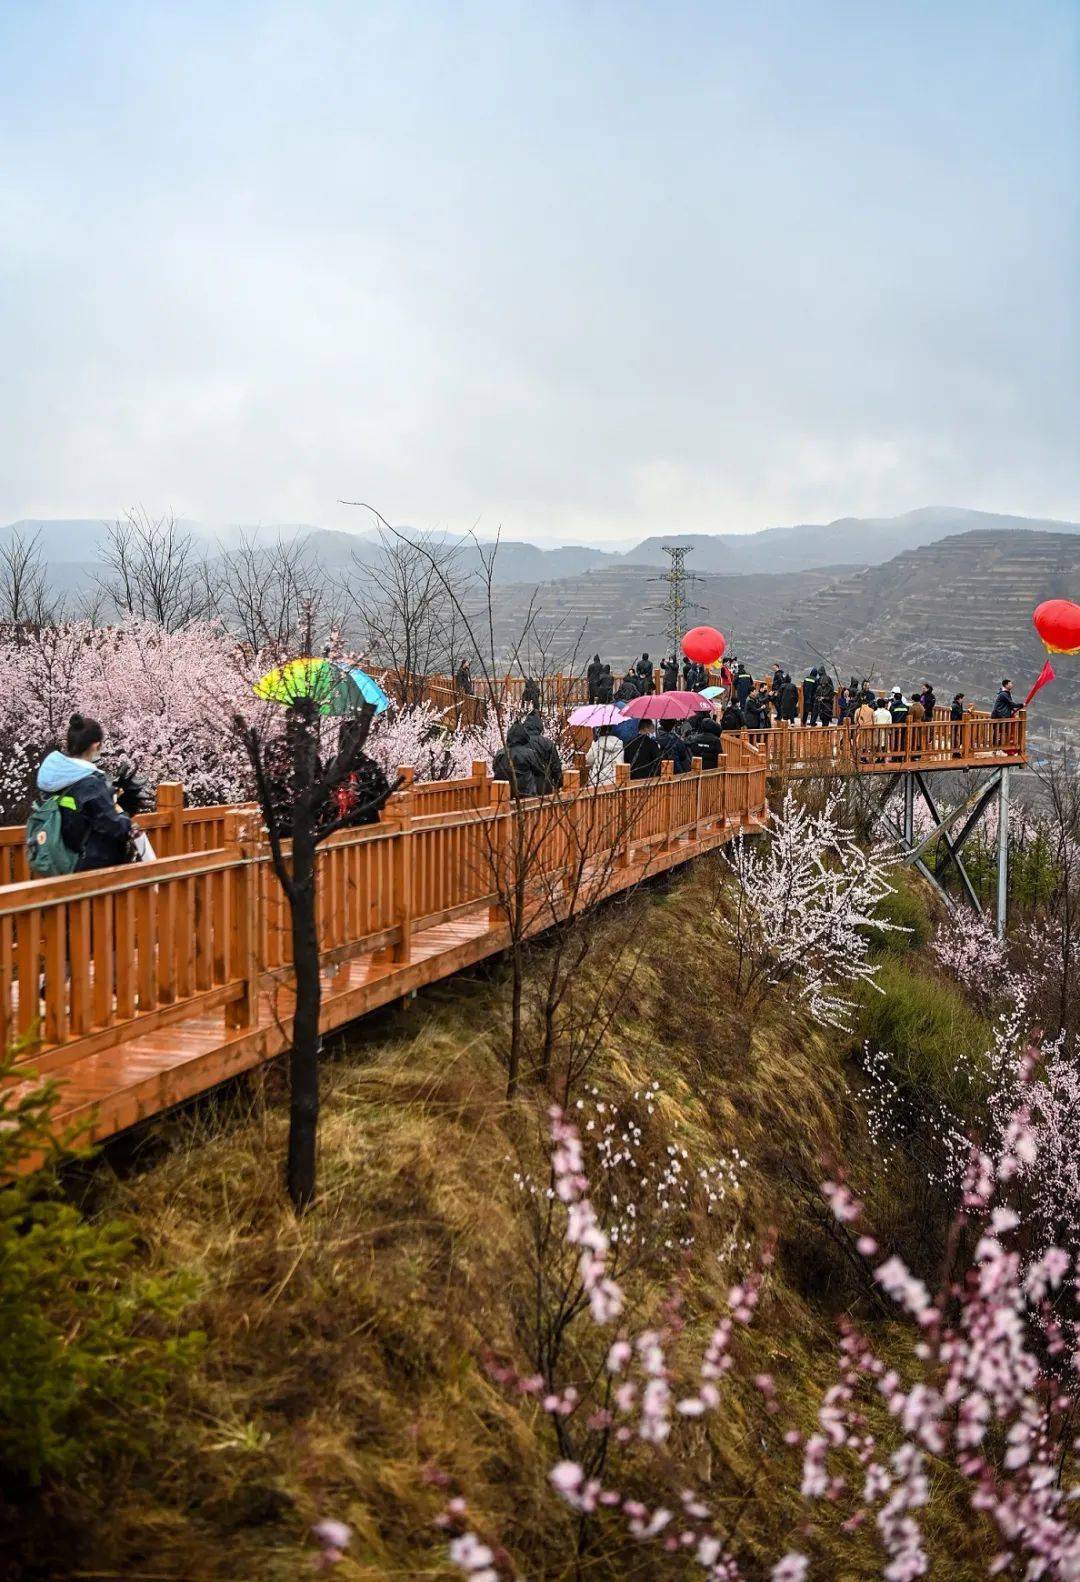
{"x":616,"y":610}
{"x":957,"y":612}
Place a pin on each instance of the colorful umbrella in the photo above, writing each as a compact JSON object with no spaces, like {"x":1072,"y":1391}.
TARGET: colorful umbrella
{"x":713,"y":692}
{"x":662,"y":706}
{"x":332,"y":689}
{"x":595,"y":714}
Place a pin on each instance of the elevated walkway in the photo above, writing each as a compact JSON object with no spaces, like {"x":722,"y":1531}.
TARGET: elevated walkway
{"x":135,"y":988}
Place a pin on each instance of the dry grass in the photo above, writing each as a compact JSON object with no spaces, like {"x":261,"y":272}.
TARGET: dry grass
{"x":343,"y":1352}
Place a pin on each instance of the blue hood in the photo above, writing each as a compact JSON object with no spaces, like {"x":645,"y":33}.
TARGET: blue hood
{"x":58,"y":771}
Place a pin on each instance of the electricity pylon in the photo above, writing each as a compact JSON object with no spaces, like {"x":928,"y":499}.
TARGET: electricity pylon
{"x":676,"y":606}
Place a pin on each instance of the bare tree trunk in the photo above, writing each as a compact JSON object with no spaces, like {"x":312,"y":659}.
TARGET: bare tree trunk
{"x":306,"y":1044}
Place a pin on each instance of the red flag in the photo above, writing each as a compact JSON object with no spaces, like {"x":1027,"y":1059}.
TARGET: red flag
{"x":1045,"y":674}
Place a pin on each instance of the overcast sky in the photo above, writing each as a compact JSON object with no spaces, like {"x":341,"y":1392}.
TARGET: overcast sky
{"x":583,"y":270}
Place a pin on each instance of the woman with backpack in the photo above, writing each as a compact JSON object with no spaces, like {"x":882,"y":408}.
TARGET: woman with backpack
{"x":91,"y":832}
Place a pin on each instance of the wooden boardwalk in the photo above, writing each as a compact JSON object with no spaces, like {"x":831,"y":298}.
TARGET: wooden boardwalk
{"x":135,"y":988}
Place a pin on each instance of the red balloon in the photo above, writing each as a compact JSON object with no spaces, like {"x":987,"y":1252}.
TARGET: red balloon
{"x":1057,"y":622}
{"x":704,"y":644}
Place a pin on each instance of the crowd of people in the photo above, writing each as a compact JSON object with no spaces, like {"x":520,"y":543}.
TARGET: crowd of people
{"x":530,"y":759}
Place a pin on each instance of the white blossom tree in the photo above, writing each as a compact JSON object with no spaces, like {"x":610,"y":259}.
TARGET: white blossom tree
{"x":807,"y":894}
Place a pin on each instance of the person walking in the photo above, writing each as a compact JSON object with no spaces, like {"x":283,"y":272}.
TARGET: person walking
{"x":744,"y":683}
{"x":824,"y":698}
{"x":642,"y":752}
{"x":883,"y":727}
{"x":91,"y":824}
{"x":463,"y":679}
{"x":605,"y":751}
{"x":592,"y":677}
{"x":733,"y":718}
{"x":789,"y":701}
{"x":929,"y":701}
{"x":605,"y":685}
{"x":518,"y":762}
{"x":551,"y":777}
{"x":530,"y":693}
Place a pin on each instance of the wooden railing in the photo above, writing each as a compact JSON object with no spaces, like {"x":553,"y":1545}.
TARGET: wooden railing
{"x":94,"y":960}
{"x":173,"y":829}
{"x":975,"y":741}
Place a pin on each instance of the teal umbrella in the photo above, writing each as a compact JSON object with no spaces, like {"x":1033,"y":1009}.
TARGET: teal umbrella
{"x":370,"y":690}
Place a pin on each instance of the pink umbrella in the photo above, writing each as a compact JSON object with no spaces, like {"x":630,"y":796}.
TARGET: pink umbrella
{"x":699,"y":703}
{"x":663,"y":706}
{"x":595,"y":714}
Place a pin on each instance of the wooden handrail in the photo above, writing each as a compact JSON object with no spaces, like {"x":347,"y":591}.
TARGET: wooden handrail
{"x":94,"y":959}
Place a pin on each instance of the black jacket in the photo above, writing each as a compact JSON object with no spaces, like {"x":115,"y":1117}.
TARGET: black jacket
{"x":733,"y":718}
{"x":673,"y":747}
{"x":899,"y":711}
{"x":642,"y":753}
{"x":551,"y":775}
{"x":824,"y":697}
{"x":744,"y":683}
{"x":788,"y":701}
{"x":530,"y":692}
{"x":1005,"y":706}
{"x":929,"y":703}
{"x":519,"y":763}
{"x":671,"y":677}
{"x":757,"y":713}
{"x":706,"y":746}
{"x":93,"y":827}
{"x":605,"y":688}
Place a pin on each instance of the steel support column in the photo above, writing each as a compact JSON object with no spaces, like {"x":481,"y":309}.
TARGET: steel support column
{"x":1003,"y":853}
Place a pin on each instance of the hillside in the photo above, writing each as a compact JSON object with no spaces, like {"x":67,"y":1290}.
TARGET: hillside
{"x":848,"y":541}
{"x":957,"y":612}
{"x":349,"y":1362}
{"x":851,"y":540}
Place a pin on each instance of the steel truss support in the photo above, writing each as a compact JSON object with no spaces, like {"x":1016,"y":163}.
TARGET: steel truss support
{"x":995,"y":789}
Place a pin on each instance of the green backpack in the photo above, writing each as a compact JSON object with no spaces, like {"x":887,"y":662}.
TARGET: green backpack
{"x":46,"y":854}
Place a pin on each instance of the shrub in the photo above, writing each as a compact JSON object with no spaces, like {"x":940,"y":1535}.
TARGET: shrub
{"x":86,"y":1351}
{"x":907,"y":915}
{"x":928,"y":1030}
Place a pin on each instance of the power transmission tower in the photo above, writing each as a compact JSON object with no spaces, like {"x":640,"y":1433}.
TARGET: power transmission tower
{"x":676,"y":606}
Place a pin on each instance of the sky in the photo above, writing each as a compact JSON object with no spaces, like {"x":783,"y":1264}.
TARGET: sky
{"x":579,"y":271}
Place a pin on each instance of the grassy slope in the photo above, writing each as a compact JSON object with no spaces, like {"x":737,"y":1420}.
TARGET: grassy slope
{"x":342,"y":1353}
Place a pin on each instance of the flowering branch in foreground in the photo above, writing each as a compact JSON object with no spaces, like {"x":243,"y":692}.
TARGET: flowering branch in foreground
{"x":980,"y":1400}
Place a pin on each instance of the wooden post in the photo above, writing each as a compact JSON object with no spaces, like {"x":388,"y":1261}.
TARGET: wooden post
{"x":401,"y":868}
{"x":480,"y":775}
{"x":240,"y":919}
{"x":170,"y":801}
{"x":696,"y":767}
{"x":499,"y":791}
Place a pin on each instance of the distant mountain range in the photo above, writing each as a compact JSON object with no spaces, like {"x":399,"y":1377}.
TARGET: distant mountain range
{"x":849,"y":541}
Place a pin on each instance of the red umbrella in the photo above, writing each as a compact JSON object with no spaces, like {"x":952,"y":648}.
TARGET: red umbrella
{"x":662,"y":706}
